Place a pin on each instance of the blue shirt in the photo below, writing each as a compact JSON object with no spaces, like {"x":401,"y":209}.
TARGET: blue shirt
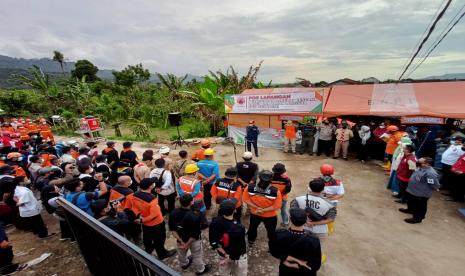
{"x":83,"y":201}
{"x":208,"y":168}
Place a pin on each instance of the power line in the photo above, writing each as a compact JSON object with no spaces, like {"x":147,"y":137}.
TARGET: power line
{"x":431,"y":29}
{"x":424,"y":32}
{"x":440,"y":38}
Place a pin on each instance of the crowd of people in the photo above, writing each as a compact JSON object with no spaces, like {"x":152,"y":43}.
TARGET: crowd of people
{"x":136,"y":196}
{"x":140,"y":198}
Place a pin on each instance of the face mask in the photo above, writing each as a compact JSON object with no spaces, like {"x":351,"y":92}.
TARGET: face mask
{"x":20,"y":159}
{"x":130,"y":183}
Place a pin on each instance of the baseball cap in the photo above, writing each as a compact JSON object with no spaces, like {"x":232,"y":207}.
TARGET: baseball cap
{"x":164,"y":150}
{"x":127,"y":144}
{"x":227,"y":207}
{"x":147,"y":182}
{"x":265,"y":175}
{"x":231,"y":172}
{"x":279,"y":168}
{"x":247,"y":155}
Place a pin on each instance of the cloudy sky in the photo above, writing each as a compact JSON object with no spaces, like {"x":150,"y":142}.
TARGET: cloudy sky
{"x":317,"y":40}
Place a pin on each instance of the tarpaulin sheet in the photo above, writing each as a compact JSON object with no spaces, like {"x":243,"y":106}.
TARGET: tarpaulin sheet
{"x":439,"y":99}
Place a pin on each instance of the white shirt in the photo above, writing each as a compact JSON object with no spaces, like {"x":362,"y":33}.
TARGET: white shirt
{"x":452,"y":154}
{"x":167,"y":187}
{"x":29,"y":206}
{"x":320,"y":205}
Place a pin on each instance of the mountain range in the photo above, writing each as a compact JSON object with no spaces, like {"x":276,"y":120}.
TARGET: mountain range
{"x":10,"y":66}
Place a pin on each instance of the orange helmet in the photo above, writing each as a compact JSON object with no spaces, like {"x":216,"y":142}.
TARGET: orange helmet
{"x":205,"y":143}
{"x":392,"y":128}
{"x":327,"y":169}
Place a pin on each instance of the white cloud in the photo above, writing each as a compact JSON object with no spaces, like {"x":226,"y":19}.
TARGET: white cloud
{"x":320,"y":40}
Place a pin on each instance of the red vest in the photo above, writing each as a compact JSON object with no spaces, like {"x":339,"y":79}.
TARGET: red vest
{"x":403,"y":172}
{"x":459,"y":166}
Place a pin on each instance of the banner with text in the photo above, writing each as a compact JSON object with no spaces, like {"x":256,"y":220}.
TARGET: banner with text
{"x":294,"y":102}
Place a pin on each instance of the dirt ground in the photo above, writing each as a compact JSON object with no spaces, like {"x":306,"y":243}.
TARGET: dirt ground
{"x":370,"y":235}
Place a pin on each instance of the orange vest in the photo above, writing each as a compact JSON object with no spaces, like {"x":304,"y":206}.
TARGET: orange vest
{"x":24,"y":134}
{"x":19,"y":171}
{"x":147,"y":206}
{"x":46,"y":158}
{"x":263,"y":199}
{"x":187,"y":184}
{"x":290,"y":131}
{"x":31,"y":127}
{"x":118,"y":192}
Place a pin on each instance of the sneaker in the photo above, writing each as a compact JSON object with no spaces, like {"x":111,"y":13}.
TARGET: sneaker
{"x":412,"y":220}
{"x":405,"y":210}
{"x":207,"y":268}
{"x":184,"y":267}
{"x":169,"y":253}
{"x":48,"y":236}
{"x":395,"y":194}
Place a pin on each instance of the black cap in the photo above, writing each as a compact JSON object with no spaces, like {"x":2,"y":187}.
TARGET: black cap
{"x":110,"y":143}
{"x":227,"y":207}
{"x":147,"y":182}
{"x":127,"y":144}
{"x":265,"y":175}
{"x":231,"y":172}
{"x":6,"y":169}
{"x":279,"y":168}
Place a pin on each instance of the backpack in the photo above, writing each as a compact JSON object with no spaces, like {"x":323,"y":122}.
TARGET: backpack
{"x":160,"y":181}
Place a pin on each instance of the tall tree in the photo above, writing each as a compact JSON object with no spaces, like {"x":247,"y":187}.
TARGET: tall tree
{"x":58,"y":57}
{"x":85,"y":68}
{"x":131,"y":75}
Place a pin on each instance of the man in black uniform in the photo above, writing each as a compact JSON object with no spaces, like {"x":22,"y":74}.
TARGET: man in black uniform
{"x":228,"y":238}
{"x":247,"y":171}
{"x":300,"y":253}
{"x":128,"y":155}
{"x":184,"y":224}
{"x":308,"y":137}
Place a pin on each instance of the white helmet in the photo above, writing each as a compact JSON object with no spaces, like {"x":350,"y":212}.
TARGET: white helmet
{"x":164,"y":150}
{"x":247,"y":155}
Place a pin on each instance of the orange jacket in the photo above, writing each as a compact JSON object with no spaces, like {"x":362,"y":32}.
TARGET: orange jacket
{"x":290,"y":131}
{"x":393,"y":142}
{"x":74,"y":154}
{"x":118,"y":192}
{"x":146,"y":204}
{"x":263,"y":198}
{"x":46,"y":158}
{"x":31,"y":127}
{"x":19,"y":171}
{"x":24,"y":134}
{"x":282,"y":183}
{"x":226,"y":188}
{"x":188,"y":185}
{"x":199,"y":154}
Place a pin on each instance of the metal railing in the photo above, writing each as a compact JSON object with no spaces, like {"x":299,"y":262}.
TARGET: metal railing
{"x":105,"y":251}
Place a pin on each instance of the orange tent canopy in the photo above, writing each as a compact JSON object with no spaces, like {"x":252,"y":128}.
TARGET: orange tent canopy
{"x":439,"y":99}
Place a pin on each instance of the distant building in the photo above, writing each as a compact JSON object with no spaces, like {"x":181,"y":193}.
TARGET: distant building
{"x":344,"y":81}
{"x":370,"y":80}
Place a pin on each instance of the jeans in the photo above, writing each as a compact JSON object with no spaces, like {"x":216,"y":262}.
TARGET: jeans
{"x":270,"y":226}
{"x":307,"y":145}
{"x":154,"y":238}
{"x":171,"y":201}
{"x":254,"y":144}
{"x":417,"y":205}
{"x":284,"y":215}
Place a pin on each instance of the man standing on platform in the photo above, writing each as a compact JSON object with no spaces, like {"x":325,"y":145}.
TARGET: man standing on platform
{"x":251,"y":137}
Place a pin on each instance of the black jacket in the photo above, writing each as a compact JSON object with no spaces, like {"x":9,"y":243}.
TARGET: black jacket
{"x":298,"y":245}
{"x":221,"y":227}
